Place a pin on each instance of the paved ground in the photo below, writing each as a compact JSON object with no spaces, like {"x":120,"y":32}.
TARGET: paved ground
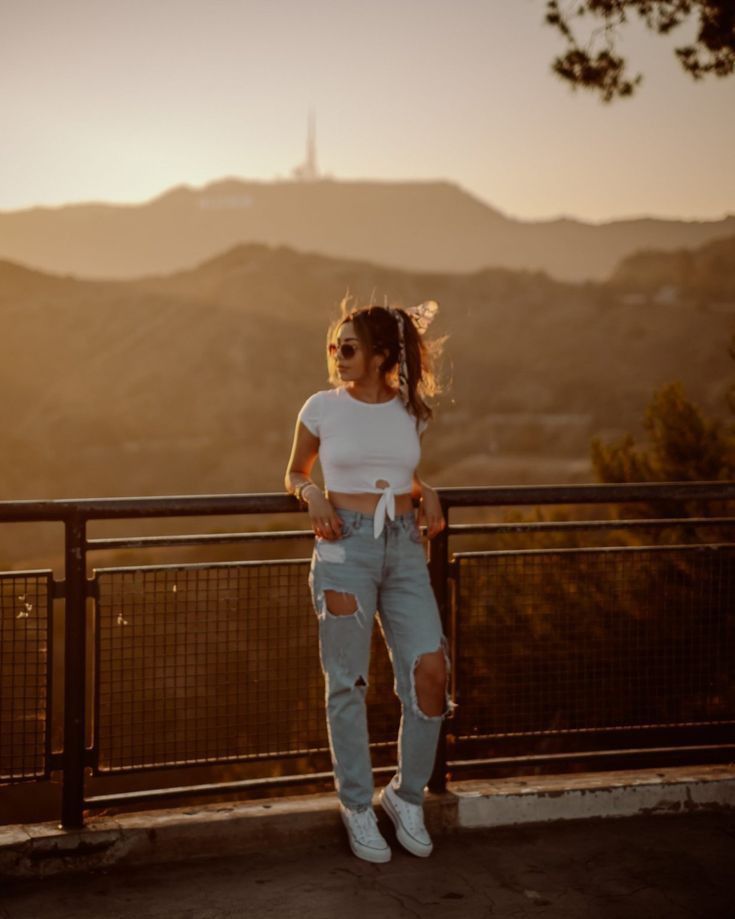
{"x":652,"y":866}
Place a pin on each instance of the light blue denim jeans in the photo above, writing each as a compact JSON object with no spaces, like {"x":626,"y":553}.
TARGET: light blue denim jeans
{"x":388,"y":575}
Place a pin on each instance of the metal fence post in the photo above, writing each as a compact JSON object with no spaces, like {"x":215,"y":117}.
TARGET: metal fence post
{"x":75,"y":620}
{"x":439,"y":572}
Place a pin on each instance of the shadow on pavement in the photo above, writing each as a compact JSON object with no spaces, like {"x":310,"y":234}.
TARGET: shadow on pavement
{"x":645,"y":866}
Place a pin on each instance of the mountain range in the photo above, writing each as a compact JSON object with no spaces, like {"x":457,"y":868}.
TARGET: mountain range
{"x":413,"y":226}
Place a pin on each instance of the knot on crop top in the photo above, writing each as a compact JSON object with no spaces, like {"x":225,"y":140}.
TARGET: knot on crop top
{"x":386,"y":506}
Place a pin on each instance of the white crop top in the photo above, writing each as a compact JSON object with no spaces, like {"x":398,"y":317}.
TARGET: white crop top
{"x":362,"y":443}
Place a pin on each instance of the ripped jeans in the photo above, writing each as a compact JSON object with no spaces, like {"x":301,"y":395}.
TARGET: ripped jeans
{"x":388,"y":574}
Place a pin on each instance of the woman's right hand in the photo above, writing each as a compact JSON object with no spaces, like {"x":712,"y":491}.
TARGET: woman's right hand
{"x":325,"y":522}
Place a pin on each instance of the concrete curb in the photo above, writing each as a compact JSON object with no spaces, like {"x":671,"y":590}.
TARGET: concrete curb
{"x":178,"y":834}
{"x":623,"y":793}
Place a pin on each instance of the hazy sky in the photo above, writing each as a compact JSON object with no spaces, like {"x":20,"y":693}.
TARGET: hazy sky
{"x":117,"y":101}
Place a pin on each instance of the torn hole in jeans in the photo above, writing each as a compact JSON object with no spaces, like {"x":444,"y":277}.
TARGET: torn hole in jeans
{"x":325,"y":613}
{"x":449,"y":706}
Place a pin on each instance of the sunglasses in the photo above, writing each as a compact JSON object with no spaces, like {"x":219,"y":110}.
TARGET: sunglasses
{"x":345,"y":351}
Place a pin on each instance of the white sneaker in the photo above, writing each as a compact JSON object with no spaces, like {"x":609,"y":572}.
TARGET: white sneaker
{"x":408,"y":820}
{"x":366,"y":840}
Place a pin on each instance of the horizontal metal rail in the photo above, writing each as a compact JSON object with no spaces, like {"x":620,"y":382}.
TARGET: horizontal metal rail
{"x":278,"y":502}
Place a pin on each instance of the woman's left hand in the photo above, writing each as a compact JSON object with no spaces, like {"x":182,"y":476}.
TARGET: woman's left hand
{"x":430,"y":512}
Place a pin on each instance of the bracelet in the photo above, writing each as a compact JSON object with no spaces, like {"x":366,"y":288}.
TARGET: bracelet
{"x":300,"y":493}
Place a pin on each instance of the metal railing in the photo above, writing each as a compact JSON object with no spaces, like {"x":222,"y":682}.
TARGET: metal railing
{"x":561,"y":654}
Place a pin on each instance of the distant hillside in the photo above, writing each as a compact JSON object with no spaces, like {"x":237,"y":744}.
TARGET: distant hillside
{"x":190,"y":383}
{"x":413,"y":226}
{"x":701,"y":276}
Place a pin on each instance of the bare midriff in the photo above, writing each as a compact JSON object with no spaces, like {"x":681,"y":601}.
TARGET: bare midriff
{"x":367,"y":501}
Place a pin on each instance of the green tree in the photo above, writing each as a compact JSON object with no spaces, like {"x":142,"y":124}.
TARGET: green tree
{"x":713,"y":50}
{"x":683,"y":446}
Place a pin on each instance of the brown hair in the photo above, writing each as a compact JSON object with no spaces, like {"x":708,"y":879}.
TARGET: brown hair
{"x":377,"y":330}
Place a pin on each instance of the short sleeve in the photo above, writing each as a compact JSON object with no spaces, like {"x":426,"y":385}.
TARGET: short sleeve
{"x":423,"y":425}
{"x":310,"y":413}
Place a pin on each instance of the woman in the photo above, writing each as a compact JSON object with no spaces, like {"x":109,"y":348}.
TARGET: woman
{"x":368,"y":556}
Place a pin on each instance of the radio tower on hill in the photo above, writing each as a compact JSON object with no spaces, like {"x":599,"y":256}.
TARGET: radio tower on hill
{"x":307,"y":171}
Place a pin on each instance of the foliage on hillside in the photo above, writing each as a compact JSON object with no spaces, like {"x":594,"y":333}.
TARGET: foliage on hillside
{"x":684,"y":445}
{"x":702,"y":274}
